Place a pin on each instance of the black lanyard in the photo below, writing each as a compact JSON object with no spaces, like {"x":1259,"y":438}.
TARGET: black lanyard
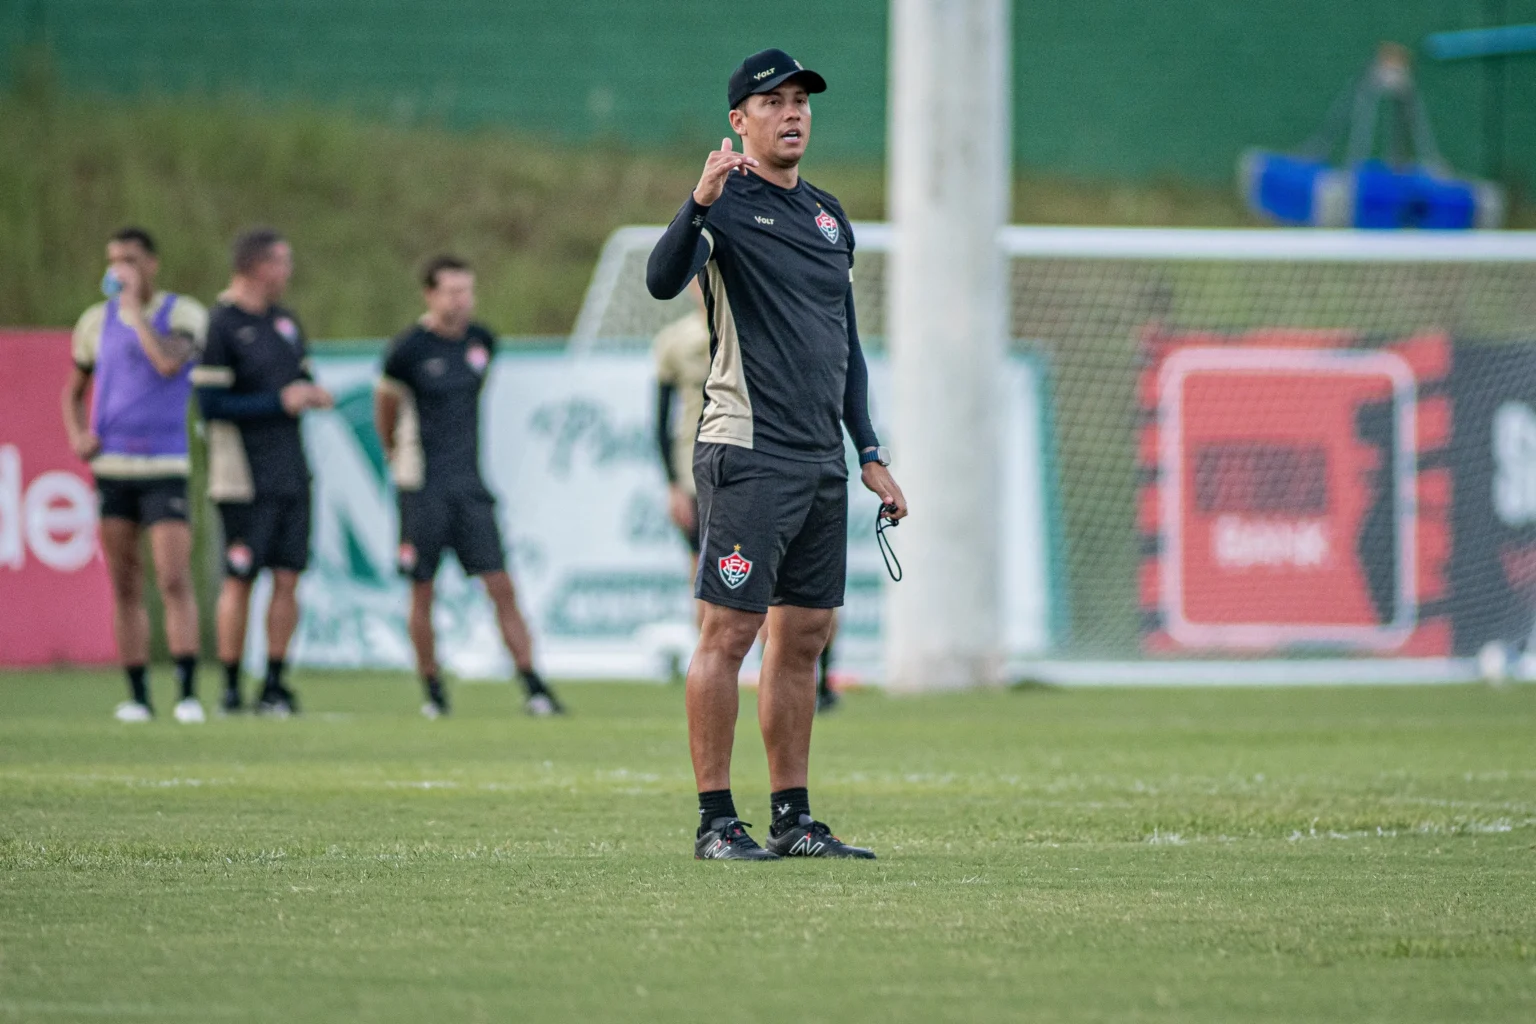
{"x":883,"y":522}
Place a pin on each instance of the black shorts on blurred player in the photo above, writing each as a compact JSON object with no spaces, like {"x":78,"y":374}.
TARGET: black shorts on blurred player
{"x":434,"y":521}
{"x":145,"y":502}
{"x":773,"y":530}
{"x":270,"y":532}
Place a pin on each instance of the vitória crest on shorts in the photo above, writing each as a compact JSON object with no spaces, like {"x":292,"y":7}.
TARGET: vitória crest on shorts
{"x":735,"y":569}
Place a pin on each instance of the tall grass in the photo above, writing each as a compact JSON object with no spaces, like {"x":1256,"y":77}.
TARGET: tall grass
{"x":364,"y":202}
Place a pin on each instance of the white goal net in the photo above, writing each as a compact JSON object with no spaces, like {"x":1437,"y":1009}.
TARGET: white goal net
{"x":1271,"y":453}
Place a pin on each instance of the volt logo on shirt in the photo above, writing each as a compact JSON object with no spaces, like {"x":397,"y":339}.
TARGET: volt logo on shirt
{"x":764,"y":220}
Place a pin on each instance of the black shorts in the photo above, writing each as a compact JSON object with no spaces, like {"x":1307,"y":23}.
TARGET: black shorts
{"x":773,"y":530}
{"x":270,"y":532}
{"x":433,"y":521}
{"x":145,"y":502}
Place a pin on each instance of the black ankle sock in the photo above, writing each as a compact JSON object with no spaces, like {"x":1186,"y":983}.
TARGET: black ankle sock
{"x":138,"y":685}
{"x":186,"y":676}
{"x":532,"y":681}
{"x":275,"y":667}
{"x":433,"y":684}
{"x":716,"y":803}
{"x":232,"y":677}
{"x":788,"y":805}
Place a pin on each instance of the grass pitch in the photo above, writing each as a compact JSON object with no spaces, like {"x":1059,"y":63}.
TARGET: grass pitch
{"x":1266,"y":855}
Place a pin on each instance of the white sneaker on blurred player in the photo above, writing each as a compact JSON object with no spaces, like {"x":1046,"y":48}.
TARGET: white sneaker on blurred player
{"x":540,"y":706}
{"x":189,"y":711}
{"x":132,"y":711}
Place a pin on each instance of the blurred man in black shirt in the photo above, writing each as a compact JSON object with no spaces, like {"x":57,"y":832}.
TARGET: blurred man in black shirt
{"x":253,"y":384}
{"x":427,"y":413}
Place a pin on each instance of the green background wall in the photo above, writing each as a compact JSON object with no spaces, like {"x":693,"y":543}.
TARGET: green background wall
{"x":1103,"y":88}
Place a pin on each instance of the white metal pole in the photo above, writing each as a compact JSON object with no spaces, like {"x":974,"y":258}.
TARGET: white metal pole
{"x":947,"y":316}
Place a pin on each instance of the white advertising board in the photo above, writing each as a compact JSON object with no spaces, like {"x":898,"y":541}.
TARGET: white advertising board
{"x":569,"y":450}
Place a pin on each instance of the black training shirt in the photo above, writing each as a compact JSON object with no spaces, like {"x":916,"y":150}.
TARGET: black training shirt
{"x":444,"y":378}
{"x":247,"y":362}
{"x":776,"y":265}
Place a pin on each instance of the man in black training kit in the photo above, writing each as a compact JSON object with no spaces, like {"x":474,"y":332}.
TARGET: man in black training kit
{"x":427,"y":413}
{"x":253,"y":384}
{"x":774,"y":256}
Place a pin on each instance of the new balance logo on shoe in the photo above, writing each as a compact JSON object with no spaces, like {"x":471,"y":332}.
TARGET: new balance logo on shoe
{"x":806,"y":847}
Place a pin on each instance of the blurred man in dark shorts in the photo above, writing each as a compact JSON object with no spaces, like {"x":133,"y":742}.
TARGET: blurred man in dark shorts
{"x":681,"y":351}
{"x":427,"y":413}
{"x":253,"y":385}
{"x":133,"y":355}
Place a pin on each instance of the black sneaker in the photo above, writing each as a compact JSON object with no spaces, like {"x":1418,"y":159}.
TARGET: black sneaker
{"x":727,"y":839}
{"x":288,"y":697}
{"x":437,"y":701}
{"x":274,"y":704}
{"x":810,"y":838}
{"x":231,"y":704}
{"x":543,"y":703}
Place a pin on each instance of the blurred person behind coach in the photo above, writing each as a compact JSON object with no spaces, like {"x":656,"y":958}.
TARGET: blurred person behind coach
{"x":253,"y":384}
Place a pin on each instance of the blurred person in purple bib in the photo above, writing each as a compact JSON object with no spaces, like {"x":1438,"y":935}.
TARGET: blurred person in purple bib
{"x":133,"y":358}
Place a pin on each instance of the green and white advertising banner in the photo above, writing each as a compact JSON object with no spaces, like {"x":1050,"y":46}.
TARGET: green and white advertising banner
{"x":602,"y":575}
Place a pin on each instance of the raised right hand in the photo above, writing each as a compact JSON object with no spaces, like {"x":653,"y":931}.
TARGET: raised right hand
{"x":720,"y":163}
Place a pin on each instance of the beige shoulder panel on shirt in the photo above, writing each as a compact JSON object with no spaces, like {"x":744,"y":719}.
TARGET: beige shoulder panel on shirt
{"x":682,"y":352}
{"x":85,"y":345}
{"x":661,"y":352}
{"x":408,"y":466}
{"x":190,"y":317}
{"x":229,"y":472}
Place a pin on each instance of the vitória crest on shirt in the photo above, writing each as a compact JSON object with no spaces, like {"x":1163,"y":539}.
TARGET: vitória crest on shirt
{"x":828,"y":225}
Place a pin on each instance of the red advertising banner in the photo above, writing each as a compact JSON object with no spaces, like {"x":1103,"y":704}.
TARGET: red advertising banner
{"x":55,"y":598}
{"x":1288,"y":506}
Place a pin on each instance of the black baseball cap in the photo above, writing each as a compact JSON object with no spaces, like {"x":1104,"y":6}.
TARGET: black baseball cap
{"x":765,"y":71}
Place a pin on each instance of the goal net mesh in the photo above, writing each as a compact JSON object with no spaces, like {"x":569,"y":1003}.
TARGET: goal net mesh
{"x":1263,"y":443}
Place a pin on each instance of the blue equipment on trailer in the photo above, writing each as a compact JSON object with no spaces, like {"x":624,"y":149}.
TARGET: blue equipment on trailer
{"x":1409,"y":186}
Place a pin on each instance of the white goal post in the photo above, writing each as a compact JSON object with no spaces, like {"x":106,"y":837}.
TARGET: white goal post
{"x":1299,"y":478}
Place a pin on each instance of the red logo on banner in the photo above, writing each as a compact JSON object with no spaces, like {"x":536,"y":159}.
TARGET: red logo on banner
{"x":1285,"y":506}
{"x":55,"y":600}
